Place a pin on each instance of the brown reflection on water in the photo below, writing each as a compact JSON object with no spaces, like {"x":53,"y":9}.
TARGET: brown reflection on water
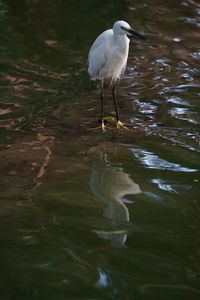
{"x":23,"y":165}
{"x":27,"y":90}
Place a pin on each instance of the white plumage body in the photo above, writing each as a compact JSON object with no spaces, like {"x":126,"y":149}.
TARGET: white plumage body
{"x":108,"y":55}
{"x":107,"y":59}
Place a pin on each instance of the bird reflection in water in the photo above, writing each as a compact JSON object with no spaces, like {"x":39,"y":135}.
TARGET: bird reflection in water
{"x":110,"y":183}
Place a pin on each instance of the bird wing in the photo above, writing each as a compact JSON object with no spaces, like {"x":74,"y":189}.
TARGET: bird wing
{"x":97,"y":55}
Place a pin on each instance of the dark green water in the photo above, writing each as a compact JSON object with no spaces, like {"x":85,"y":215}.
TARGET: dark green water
{"x":89,"y":216}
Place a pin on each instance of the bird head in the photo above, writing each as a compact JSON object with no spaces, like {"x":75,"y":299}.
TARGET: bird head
{"x":122,"y":27}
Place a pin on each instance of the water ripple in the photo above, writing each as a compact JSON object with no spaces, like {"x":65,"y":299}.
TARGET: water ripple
{"x":194,"y":21}
{"x":152,"y":161}
{"x":145,"y":108}
{"x":196,"y":55}
{"x":173,"y":188}
{"x":183,"y":114}
{"x":163,"y":62}
{"x":177,"y":100}
{"x":182,"y":88}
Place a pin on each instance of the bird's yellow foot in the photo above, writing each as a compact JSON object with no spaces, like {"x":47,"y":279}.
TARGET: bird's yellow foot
{"x":109,"y":119}
{"x":121,"y":124}
{"x":103,"y":127}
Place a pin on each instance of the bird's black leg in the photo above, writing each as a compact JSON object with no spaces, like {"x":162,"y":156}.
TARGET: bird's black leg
{"x":115,"y":102}
{"x":119,"y":123}
{"x":102,"y":106}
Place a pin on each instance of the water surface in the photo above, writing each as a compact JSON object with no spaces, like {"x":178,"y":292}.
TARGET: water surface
{"x":86,"y":215}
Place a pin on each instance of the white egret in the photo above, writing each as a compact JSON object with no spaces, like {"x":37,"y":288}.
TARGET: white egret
{"x":108,"y":58}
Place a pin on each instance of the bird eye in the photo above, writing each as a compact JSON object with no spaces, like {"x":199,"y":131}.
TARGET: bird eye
{"x":122,"y":28}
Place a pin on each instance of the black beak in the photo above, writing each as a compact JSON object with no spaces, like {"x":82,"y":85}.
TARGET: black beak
{"x":135,"y":33}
